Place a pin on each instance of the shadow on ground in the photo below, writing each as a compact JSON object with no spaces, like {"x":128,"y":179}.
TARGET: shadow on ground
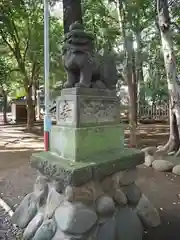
{"x":162,"y":189}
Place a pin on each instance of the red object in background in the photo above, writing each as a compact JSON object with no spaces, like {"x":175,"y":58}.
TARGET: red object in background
{"x":131,"y":146}
{"x":46,"y":141}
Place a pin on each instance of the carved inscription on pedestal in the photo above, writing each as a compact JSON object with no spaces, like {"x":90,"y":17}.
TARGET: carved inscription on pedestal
{"x":65,"y":110}
{"x":98,"y":111}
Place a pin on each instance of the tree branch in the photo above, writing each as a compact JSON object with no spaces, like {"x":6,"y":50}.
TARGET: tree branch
{"x":176,"y":25}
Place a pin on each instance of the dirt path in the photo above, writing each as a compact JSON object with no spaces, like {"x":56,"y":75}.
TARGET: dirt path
{"x":17,"y":177}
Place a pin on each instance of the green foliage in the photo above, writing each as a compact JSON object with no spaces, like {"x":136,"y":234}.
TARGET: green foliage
{"x":21,"y":41}
{"x":22,"y":30}
{"x":99,"y":18}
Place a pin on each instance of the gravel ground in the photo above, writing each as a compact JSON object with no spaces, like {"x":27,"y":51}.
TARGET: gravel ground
{"x":7,"y":230}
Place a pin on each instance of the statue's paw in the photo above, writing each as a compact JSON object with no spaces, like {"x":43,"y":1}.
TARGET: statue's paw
{"x":82,"y":85}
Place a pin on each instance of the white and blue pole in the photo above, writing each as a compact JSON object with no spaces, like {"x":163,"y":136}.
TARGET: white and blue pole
{"x":47,"y":119}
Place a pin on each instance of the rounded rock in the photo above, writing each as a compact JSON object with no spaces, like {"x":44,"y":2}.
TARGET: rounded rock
{"x":125,"y":178}
{"x":41,"y":189}
{"x":33,"y":226}
{"x":149,"y":150}
{"x":149,"y":159}
{"x":54,"y":200}
{"x":120,"y":197}
{"x":105,"y":206}
{"x":107,"y":230}
{"x":133,"y":193}
{"x":26,"y":211}
{"x":46,"y":231}
{"x":147,"y":213}
{"x":176,"y":170}
{"x":75,"y":218}
{"x":162,"y":165}
{"x":128,"y":225}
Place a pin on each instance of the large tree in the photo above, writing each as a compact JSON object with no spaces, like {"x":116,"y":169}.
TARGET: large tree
{"x":71,"y":13}
{"x":21,"y":30}
{"x":171,"y":72}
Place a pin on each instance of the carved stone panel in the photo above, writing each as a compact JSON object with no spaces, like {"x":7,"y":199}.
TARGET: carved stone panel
{"x":98,"y":111}
{"x":65,"y":112}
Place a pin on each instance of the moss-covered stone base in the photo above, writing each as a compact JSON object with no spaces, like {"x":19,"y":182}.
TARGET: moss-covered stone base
{"x":80,"y":144}
{"x":78,"y":173}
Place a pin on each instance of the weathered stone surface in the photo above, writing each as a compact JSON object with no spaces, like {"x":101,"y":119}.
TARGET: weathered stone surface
{"x":162,"y":165}
{"x":75,"y":218}
{"x":87,"y":108}
{"x":176,"y":170}
{"x":105,"y":206}
{"x":41,"y":189}
{"x":46,"y":231}
{"x":125,"y":178}
{"x":53,"y":201}
{"x":120,"y":197}
{"x":107,"y":230}
{"x":79,"y":144}
{"x":107,"y":184}
{"x":25,"y":211}
{"x":128,"y":225}
{"x":113,"y":162}
{"x":79,"y":173}
{"x":133,"y":193}
{"x":148,"y":213}
{"x":85,"y":194}
{"x":62,"y":170}
{"x":149,"y":159}
{"x":33,"y":226}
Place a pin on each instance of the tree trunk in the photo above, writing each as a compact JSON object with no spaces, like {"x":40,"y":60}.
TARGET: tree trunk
{"x":139,"y":67}
{"x":30,"y":110}
{"x":5,"y":107}
{"x":71,"y":13}
{"x":130,"y":73}
{"x":132,"y":89}
{"x":173,"y":85}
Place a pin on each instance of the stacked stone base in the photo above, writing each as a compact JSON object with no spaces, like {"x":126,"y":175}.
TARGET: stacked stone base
{"x":111,"y":209}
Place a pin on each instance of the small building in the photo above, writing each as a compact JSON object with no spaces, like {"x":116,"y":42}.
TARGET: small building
{"x":19,"y":110}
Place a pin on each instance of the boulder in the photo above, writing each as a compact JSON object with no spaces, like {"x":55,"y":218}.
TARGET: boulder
{"x":26,"y":211}
{"x":125,"y":178}
{"x":107,"y":230}
{"x":54,"y":200}
{"x":149,"y":150}
{"x":162,"y":165}
{"x":176,"y":170}
{"x":46,"y":231}
{"x":149,"y":159}
{"x":128,"y":225}
{"x":133,"y":193}
{"x":75,"y":218}
{"x":147,"y":213}
{"x":33,"y":226}
{"x":105,"y":206}
{"x":41,"y":189}
{"x":120,"y":197}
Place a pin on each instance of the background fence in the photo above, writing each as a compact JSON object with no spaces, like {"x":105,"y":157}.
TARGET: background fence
{"x":148,"y":112}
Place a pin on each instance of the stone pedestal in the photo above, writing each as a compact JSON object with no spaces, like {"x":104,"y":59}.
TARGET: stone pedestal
{"x":87,"y":185}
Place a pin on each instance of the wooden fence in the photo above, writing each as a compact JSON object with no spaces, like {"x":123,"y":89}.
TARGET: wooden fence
{"x":154,"y":112}
{"x":147,"y":112}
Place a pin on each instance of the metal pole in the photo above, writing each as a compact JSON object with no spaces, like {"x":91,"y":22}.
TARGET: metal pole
{"x":47,"y":120}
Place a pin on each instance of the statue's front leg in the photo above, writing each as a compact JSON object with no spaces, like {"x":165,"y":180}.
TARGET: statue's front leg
{"x":71,"y":79}
{"x":85,"y":76}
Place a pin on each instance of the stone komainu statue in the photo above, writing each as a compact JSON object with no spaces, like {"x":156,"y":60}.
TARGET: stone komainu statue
{"x":84,"y":67}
